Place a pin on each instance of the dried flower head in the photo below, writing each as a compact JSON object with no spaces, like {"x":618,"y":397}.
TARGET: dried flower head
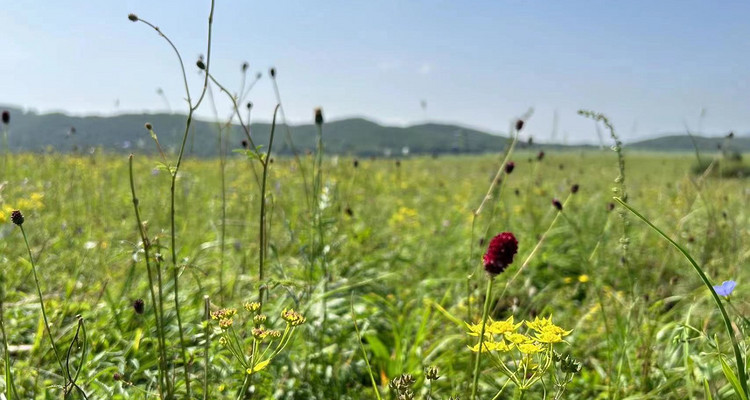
{"x":540,"y":156}
{"x":200,"y":64}
{"x":245,"y":144}
{"x":431,"y":373}
{"x":225,"y":324}
{"x":574,"y":188}
{"x":318,"y":116}
{"x":356,"y":163}
{"x":139,"y":306}
{"x":272,"y":72}
{"x":245,"y":66}
{"x":500,"y":253}
{"x":133,"y":17}
{"x":16,"y":217}
{"x":117,"y":376}
{"x":519,"y":124}
{"x":6,"y":117}
{"x":556,"y":203}
{"x":509,"y":167}
{"x":149,"y":126}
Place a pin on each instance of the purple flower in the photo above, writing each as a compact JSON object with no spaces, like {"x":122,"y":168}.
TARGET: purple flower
{"x":726,"y":288}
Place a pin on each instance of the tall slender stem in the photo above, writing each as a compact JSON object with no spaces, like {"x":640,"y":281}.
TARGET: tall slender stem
{"x":41,"y":303}
{"x":263,"y":235}
{"x":163,"y":372}
{"x":485,"y":313}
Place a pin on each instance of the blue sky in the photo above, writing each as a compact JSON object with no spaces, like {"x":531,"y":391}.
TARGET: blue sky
{"x":652,"y":66}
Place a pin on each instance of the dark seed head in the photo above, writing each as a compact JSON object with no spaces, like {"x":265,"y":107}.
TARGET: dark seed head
{"x":139,"y":306}
{"x":245,"y":144}
{"x":356,"y":163}
{"x":398,"y":163}
{"x":272,"y":72}
{"x":16,"y":217}
{"x":574,"y":188}
{"x":540,"y":156}
{"x":133,"y":17}
{"x":318,"y":116}
{"x":6,"y":117}
{"x":349,"y":211}
{"x":201,"y":65}
{"x":610,"y":206}
{"x":519,"y":124}
{"x":117,"y":376}
{"x":249,"y":105}
{"x":149,"y":126}
{"x":556,"y":203}
{"x":245,"y":66}
{"x":509,"y":167}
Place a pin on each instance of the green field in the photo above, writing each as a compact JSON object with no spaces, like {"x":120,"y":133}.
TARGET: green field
{"x":389,"y":243}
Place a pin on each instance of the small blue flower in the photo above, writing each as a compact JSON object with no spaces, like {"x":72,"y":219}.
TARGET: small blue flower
{"x":726,"y":288}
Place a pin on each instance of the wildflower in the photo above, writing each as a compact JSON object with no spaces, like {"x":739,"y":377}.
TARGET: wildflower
{"x":252,"y":306}
{"x":517,"y":338}
{"x":356,"y":163}
{"x":245,"y":66}
{"x":583,"y":278}
{"x":259,"y":333}
{"x":726,"y":288}
{"x":133,"y":17}
{"x":6,"y":117}
{"x":259,"y":319}
{"x":138,"y":306}
{"x":500,"y":253}
{"x":610,"y":206}
{"x":509,"y":167}
{"x":519,"y":124}
{"x":250,"y":104}
{"x":530,"y":348}
{"x":557,"y":204}
{"x":226,"y":323}
{"x":224,"y":314}
{"x":272,"y":72}
{"x":318,"y":116}
{"x":117,"y":376}
{"x":540,"y":156}
{"x":149,"y":126}
{"x":574,"y":188}
{"x":292,"y":317}
{"x":200,"y":64}
{"x":16,"y":217}
{"x":245,"y":144}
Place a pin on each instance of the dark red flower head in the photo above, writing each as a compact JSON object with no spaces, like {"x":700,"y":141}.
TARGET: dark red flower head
{"x":540,"y":156}
{"x":500,"y":253}
{"x":509,"y":167}
{"x":6,"y":117}
{"x":519,"y":124}
{"x":574,"y":188}
{"x":556,"y":203}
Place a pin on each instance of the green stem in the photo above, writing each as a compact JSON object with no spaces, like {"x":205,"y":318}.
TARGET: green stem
{"x":485,"y":314}
{"x":742,"y":373}
{"x":163,"y":372}
{"x":41,"y":303}
{"x":262,"y":229}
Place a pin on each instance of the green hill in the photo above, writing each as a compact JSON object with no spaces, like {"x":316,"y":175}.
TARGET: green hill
{"x":59,"y":132}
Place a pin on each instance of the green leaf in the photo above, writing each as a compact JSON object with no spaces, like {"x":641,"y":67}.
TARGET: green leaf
{"x":732,"y":378}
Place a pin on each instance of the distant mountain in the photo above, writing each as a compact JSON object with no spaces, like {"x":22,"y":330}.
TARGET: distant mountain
{"x":739,"y":143}
{"x":123,"y":133}
{"x":59,"y":132}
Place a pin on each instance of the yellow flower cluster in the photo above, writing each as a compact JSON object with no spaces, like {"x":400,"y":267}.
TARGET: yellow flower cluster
{"x":293,"y":317}
{"x":502,"y":336}
{"x":33,"y":202}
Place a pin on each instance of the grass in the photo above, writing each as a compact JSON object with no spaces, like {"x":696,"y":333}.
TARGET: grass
{"x":397,"y":260}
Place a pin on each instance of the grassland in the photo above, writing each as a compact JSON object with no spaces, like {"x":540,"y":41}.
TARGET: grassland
{"x":392,"y":244}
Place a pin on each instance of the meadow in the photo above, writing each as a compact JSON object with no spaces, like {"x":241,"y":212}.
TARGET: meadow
{"x":384,"y":268}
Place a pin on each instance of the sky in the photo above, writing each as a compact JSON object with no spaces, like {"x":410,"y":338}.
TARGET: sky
{"x":653,"y":67}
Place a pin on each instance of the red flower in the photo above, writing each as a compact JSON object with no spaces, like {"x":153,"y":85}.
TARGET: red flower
{"x":509,"y":167}
{"x":500,"y":253}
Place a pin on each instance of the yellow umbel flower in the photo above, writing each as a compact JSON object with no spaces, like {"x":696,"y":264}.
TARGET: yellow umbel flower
{"x":529,"y":348}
